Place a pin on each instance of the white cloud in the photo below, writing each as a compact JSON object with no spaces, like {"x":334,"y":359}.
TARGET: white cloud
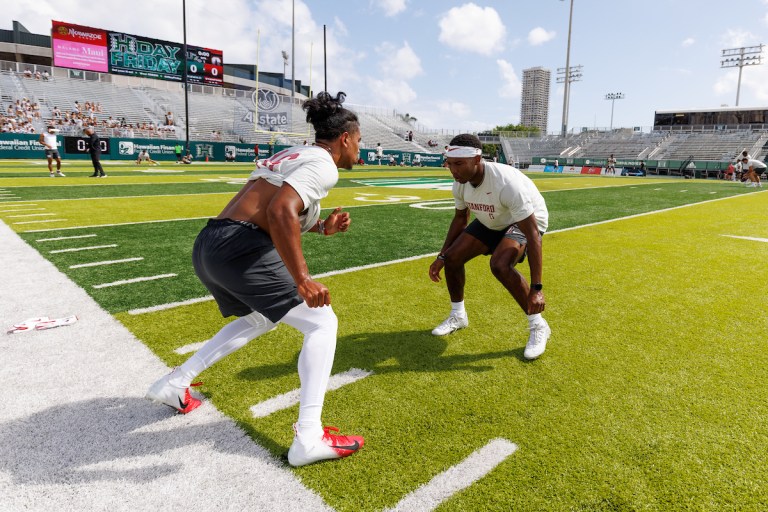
{"x":340,"y":26}
{"x":735,"y":38}
{"x":540,"y":36}
{"x":454,"y":108}
{"x":511,"y":83}
{"x":472,"y":28}
{"x":401,"y":63}
{"x":688,"y":42}
{"x":390,"y":7}
{"x":754,"y":85}
{"x":390,"y":92}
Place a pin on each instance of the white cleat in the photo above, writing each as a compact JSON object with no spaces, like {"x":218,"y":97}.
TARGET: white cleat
{"x":163,"y":392}
{"x":330,"y":446}
{"x":537,"y":340}
{"x":451,"y":324}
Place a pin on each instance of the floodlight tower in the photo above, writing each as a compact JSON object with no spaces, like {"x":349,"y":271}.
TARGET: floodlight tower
{"x":613,"y":96}
{"x":285,"y":64}
{"x":567,"y":80}
{"x":567,"y":75}
{"x":740,"y":57}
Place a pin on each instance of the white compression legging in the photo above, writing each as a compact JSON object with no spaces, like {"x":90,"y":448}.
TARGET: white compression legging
{"x":319,"y":326}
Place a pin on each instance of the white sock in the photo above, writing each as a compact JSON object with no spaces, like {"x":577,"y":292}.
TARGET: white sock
{"x":458,"y":308}
{"x":319,"y":326}
{"x":534,"y":319}
{"x":231,"y":337}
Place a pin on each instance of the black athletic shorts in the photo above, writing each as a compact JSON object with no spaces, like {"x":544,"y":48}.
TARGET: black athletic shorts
{"x":491,"y":238}
{"x":238,"y":263}
{"x":52,"y":153}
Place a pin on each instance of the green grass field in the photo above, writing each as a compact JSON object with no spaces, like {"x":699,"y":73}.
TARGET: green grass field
{"x":652,"y":394}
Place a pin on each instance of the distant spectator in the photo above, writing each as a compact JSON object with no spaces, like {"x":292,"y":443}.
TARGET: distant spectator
{"x":77,"y":106}
{"x":410,"y":136}
{"x":46,"y":75}
{"x":56,"y":112}
{"x":187,"y":158}
{"x":144,"y":157}
{"x":38,"y":75}
{"x":169,"y":119}
{"x":27,"y":73}
{"x":392,"y":160}
{"x":305,"y":143}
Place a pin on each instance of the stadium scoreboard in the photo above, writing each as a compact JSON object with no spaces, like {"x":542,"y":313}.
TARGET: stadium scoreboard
{"x":79,"y":145}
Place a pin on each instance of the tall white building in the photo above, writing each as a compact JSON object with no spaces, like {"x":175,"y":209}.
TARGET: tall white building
{"x":534,"y":104}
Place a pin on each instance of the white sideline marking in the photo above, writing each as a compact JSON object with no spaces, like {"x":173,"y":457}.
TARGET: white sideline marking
{"x":171,"y":305}
{"x":686,"y":190}
{"x":40,"y":221}
{"x":32,"y":215}
{"x":192,"y":347}
{"x":457,"y":478}
{"x":64,"y":238}
{"x":116,"y":224}
{"x":23,"y":210}
{"x":99,"y":263}
{"x":748,"y":238}
{"x":89,"y":248}
{"x":291,"y":398}
{"x":22,"y":204}
{"x":134,"y":280}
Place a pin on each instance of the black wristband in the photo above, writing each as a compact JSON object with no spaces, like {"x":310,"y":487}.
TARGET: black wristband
{"x":537,"y":286}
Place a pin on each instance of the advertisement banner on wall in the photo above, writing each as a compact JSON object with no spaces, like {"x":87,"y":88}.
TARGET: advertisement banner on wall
{"x":591,"y":170}
{"x":79,"y":47}
{"x":145,"y":57}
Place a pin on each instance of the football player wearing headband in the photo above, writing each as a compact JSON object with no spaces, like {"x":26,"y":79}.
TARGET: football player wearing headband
{"x":510,"y":219}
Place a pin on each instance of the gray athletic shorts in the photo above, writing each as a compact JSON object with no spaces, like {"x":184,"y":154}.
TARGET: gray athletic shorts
{"x":238,"y":263}
{"x":52,"y":153}
{"x":491,"y":238}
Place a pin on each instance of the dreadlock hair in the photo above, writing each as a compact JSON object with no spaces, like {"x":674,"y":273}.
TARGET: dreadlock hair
{"x":328,"y":117}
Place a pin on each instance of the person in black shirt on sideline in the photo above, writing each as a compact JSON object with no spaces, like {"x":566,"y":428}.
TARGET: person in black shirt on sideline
{"x":94,"y":148}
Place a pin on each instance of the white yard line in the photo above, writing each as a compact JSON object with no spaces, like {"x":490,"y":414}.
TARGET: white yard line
{"x":192,"y":347}
{"x":171,"y":305}
{"x":23,"y":210}
{"x":39,"y":221}
{"x":748,"y":238}
{"x":100,"y":263}
{"x":291,"y":398}
{"x":32,"y":215}
{"x":134,"y":280}
{"x":89,"y":248}
{"x":457,"y":478}
{"x":64,"y":238}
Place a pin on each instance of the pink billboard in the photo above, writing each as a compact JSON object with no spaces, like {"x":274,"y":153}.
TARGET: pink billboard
{"x":79,"y":47}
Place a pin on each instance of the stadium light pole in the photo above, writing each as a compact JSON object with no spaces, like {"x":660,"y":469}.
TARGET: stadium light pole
{"x":567,"y":74}
{"x":184,"y":78}
{"x":740,"y":57}
{"x":285,"y":63}
{"x":293,"y":52}
{"x":613,"y":96}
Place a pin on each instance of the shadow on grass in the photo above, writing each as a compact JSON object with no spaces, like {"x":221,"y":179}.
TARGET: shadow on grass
{"x":405,"y":351}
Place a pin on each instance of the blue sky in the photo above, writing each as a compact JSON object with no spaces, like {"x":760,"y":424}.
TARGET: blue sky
{"x":458,"y":64}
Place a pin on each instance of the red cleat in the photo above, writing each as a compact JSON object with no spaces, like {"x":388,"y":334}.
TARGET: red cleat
{"x":330,"y":446}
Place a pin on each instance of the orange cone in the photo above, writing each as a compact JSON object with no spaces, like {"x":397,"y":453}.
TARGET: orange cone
{"x":206,"y":158}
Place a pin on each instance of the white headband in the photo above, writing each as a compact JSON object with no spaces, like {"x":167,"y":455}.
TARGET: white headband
{"x":463,"y":152}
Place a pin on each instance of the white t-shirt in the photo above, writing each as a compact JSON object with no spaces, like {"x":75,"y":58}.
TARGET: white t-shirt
{"x":505,"y":196}
{"x":379,"y":151}
{"x":50,"y":139}
{"x":310,"y":170}
{"x":755,"y":164}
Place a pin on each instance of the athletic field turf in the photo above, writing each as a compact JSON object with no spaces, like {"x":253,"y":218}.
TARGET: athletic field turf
{"x":652,"y":394}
